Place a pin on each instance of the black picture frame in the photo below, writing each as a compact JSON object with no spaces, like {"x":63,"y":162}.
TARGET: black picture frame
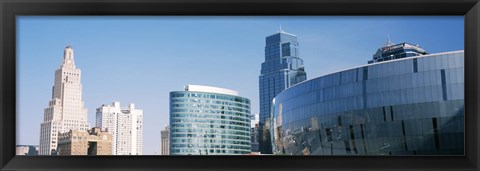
{"x":9,"y":9}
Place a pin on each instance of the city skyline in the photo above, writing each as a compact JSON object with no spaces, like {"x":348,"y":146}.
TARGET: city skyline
{"x":110,"y":50}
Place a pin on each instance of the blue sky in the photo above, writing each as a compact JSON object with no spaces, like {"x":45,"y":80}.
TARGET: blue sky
{"x":141,"y":59}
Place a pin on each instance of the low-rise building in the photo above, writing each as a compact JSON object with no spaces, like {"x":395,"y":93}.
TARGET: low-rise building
{"x":29,"y":150}
{"x":91,"y":142}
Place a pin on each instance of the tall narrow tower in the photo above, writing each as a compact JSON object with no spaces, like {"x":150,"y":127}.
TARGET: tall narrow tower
{"x":165,"y":134}
{"x":66,"y":109}
{"x":282,"y":68}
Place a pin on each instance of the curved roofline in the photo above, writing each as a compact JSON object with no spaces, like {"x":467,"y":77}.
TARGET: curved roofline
{"x":395,"y":60}
{"x":210,"y":89}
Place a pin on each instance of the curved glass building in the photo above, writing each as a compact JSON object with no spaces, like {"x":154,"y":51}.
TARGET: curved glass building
{"x":209,"y":121}
{"x":407,"y":106}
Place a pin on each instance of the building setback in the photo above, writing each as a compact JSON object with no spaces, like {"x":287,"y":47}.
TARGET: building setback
{"x":125,"y":125}
{"x":208,"y":120}
{"x":165,"y":138}
{"x":66,"y":110}
{"x":91,"y":142}
{"x":408,"y":106}
{"x":281,"y":69}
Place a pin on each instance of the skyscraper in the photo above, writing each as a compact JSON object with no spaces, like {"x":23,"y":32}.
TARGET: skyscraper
{"x":282,"y":68}
{"x":165,"y":146}
{"x":66,"y":109}
{"x":208,"y":120}
{"x":125,"y":125}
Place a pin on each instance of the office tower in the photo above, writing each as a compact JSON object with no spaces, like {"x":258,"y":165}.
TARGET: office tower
{"x":125,"y":125}
{"x":390,"y":51}
{"x":66,"y":110}
{"x":208,"y":120}
{"x":92,"y":142}
{"x":409,"y":106}
{"x":165,"y":138}
{"x":282,"y":68}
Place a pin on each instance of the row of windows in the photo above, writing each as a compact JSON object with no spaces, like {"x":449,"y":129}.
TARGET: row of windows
{"x":244,"y":119}
{"x":206,"y":152}
{"x":214,"y":132}
{"x":209,"y":140}
{"x":216,"y":108}
{"x":207,"y":102}
{"x":208,"y":121}
{"x":239,"y":114}
{"x":401,"y":111}
{"x":213,"y":126}
{"x":216,"y":146}
{"x":224,"y":142}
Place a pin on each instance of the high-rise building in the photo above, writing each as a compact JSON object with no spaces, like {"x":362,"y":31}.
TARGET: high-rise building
{"x":66,"y":110}
{"x":125,"y":125}
{"x":282,"y":68}
{"x":209,"y":121}
{"x":91,"y":142}
{"x":165,"y":138}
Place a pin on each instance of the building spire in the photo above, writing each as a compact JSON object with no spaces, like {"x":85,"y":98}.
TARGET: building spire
{"x":389,"y":42}
{"x":68,"y":55}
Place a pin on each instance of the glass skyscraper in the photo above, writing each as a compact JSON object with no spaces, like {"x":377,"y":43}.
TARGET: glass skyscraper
{"x":209,"y":121}
{"x":409,"y":106}
{"x":282,"y":68}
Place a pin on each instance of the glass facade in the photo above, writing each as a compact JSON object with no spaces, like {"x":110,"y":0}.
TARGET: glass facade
{"x":282,"y":68}
{"x":410,"y":106}
{"x":204,"y":123}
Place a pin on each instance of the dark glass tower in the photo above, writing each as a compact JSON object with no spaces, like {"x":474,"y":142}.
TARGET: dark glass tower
{"x":282,"y":69}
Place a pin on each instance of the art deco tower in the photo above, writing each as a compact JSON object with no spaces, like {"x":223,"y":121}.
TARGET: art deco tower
{"x":282,"y":68}
{"x":66,"y":110}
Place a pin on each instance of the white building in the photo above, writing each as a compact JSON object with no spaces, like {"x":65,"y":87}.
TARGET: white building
{"x":66,"y":110}
{"x":165,"y":138}
{"x":125,"y":125}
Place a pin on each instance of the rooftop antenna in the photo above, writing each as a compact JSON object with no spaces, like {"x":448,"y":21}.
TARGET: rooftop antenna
{"x":389,"y":42}
{"x":281,"y":30}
